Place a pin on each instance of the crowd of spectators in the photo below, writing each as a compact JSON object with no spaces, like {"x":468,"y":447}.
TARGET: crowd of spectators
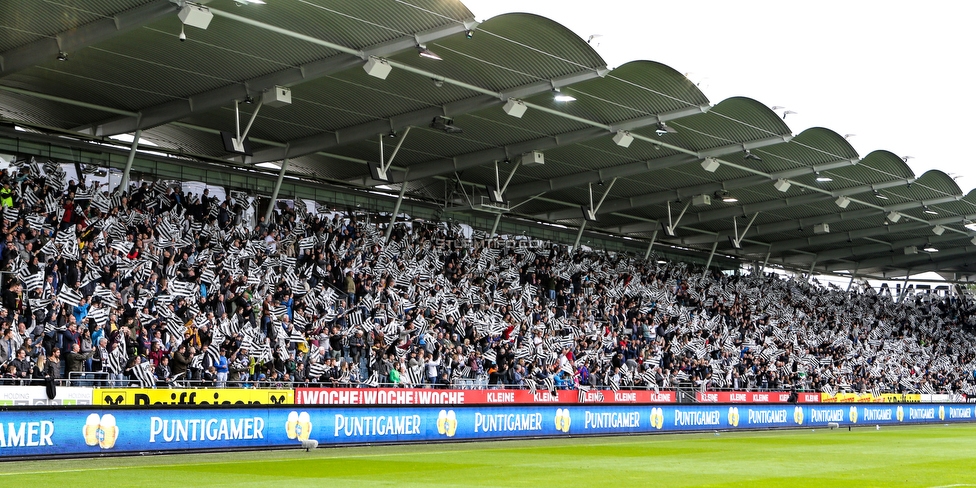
{"x":157,"y":287}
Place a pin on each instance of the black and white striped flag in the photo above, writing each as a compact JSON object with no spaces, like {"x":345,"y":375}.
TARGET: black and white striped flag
{"x":51,"y":203}
{"x":550,"y":385}
{"x":69,"y":297}
{"x":117,"y":359}
{"x":316,"y":370}
{"x":355,"y":318}
{"x":582,"y":391}
{"x":143,"y":374}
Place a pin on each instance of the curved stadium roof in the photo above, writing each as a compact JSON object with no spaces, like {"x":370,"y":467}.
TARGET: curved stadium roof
{"x":126,"y":70}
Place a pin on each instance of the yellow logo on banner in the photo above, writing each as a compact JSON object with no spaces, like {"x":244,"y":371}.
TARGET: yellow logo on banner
{"x":734,"y":416}
{"x":900,"y":413}
{"x":101,"y":431}
{"x":941,"y":412}
{"x":853,"y":414}
{"x":562,"y":419}
{"x":657,"y":418}
{"x":298,"y":426}
{"x":202,"y":396}
{"x":447,"y":423}
{"x":798,"y":415}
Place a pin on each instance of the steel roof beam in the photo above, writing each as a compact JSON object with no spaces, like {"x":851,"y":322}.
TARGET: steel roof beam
{"x":637,"y":167}
{"x":706,"y":188}
{"x":792,"y":224}
{"x":957,"y":259}
{"x":878,"y":247}
{"x":178,"y":109}
{"x":418,"y":118}
{"x":789,"y":202}
{"x":46,"y":49}
{"x":939,"y":258}
{"x":788,"y":225}
{"x":470,"y":160}
{"x":839,"y":237}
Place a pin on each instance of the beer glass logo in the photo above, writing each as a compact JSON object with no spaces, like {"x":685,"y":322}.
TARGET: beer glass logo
{"x":447,"y":423}
{"x":853,"y":415}
{"x":101,"y":431}
{"x":657,"y":418}
{"x":734,"y":416}
{"x":298,"y":426}
{"x":798,"y":415}
{"x":941,"y":412}
{"x":563,"y":420}
{"x":900,"y":413}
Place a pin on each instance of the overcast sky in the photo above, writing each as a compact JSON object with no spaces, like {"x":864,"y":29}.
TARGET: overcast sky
{"x":896,"y":74}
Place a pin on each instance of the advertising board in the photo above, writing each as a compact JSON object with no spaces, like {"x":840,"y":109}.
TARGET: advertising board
{"x":406,"y":396}
{"x":192,"y":396}
{"x":37,"y":395}
{"x":754,"y":397}
{"x":99,"y":430}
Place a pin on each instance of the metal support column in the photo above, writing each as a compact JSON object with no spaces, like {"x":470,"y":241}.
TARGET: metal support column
{"x":274,"y":192}
{"x":396,"y":210}
{"x":853,"y":276}
{"x":124,"y":184}
{"x":494,"y":227}
{"x":904,"y":287}
{"x":711,"y":255}
{"x":810,"y":273}
{"x":650,"y":246}
{"x":765,"y":262}
{"x":579,"y":235}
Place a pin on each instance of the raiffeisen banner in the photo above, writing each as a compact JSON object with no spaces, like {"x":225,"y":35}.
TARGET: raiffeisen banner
{"x":192,"y":396}
{"x":27,"y":432}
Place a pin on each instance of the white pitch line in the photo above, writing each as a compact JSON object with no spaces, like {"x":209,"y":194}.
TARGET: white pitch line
{"x":145,"y":466}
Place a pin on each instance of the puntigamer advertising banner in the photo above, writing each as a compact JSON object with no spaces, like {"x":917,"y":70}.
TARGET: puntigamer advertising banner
{"x":97,"y":431}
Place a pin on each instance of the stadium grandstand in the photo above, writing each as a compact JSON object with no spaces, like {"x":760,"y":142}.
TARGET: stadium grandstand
{"x":372,"y":193}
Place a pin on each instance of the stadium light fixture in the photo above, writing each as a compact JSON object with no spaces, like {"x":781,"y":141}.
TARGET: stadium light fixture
{"x":62,"y":56}
{"x":823,"y":178}
{"x":879,"y":195}
{"x":663,"y":129}
{"x":926,"y":209}
{"x":195,"y":15}
{"x":930,"y":249}
{"x":623,"y":138}
{"x":750,"y":155}
{"x":938,"y":230}
{"x":377,"y":68}
{"x":710,"y":165}
{"x":427,"y":53}
{"x":559,"y":96}
{"x":515,"y":108}
{"x":725,"y":197}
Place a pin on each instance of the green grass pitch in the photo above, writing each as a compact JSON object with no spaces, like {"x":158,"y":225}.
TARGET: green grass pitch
{"x":918,"y":456}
